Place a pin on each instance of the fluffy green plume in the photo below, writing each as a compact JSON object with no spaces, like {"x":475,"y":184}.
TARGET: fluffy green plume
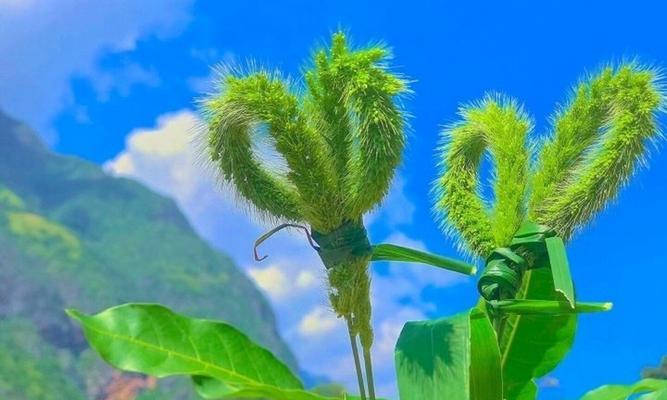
{"x":598,"y":140}
{"x":341,"y":140}
{"x":499,"y":126}
{"x":353,"y":102}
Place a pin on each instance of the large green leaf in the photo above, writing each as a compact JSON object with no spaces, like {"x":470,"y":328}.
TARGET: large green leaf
{"x":449,"y":358}
{"x":533,"y":345}
{"x":153,"y":340}
{"x":652,"y":387}
{"x":657,"y":395}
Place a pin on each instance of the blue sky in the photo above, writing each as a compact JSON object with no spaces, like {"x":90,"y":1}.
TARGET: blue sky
{"x":112,"y":82}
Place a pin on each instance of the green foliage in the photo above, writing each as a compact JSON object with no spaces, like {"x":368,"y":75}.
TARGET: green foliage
{"x":532,"y":345}
{"x":29,"y":367}
{"x":10,"y":200}
{"x":154,"y":340}
{"x":449,"y":358}
{"x":44,"y":238}
{"x":652,"y":389}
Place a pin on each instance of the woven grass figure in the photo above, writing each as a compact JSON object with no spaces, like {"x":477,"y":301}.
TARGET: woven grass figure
{"x":598,"y":140}
{"x":341,"y":137}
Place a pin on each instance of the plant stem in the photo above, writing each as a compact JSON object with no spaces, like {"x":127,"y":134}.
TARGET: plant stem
{"x":357,"y":363}
{"x":369,"y":372}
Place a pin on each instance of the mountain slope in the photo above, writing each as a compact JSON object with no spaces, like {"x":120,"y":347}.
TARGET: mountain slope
{"x":72,"y":236}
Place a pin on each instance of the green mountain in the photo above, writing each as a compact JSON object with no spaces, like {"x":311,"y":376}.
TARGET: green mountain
{"x":73,"y":236}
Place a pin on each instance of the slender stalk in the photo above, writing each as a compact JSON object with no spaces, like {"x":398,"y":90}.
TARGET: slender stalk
{"x":369,"y":372}
{"x":355,"y":354}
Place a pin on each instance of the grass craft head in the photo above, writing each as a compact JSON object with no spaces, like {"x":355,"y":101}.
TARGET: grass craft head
{"x":598,"y":140}
{"x":341,"y":137}
{"x":596,"y":143}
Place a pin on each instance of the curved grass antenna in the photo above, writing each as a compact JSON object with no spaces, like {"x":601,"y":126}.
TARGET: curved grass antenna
{"x":230,"y":149}
{"x":499,"y":126}
{"x":261,"y":98}
{"x":599,"y":140}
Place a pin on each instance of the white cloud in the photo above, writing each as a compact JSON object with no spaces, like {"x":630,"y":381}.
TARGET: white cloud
{"x":281,"y":282}
{"x":271,"y":279}
{"x":317,"y":322}
{"x":47,"y":43}
{"x":163,"y":157}
{"x":306,"y":279}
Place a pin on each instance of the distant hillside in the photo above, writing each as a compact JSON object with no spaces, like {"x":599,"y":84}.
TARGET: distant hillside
{"x":72,"y":236}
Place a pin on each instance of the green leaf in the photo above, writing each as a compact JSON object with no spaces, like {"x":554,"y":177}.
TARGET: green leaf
{"x":392,"y":252}
{"x":527,"y":392}
{"x":622,"y":392}
{"x":657,"y":395}
{"x":560,"y":268}
{"x":533,"y":345}
{"x":449,"y":358}
{"x":546,"y":307}
{"x":209,"y":388}
{"x":153,"y":340}
{"x":485,"y":376}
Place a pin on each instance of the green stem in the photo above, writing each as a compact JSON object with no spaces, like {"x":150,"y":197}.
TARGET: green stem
{"x":355,"y":354}
{"x":369,"y":372}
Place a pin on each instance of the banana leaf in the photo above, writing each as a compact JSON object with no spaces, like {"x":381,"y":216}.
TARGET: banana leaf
{"x":449,"y":358}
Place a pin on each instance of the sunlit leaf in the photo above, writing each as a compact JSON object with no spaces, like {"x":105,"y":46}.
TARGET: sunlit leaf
{"x":449,"y":358}
{"x":533,"y":345}
{"x":622,"y":392}
{"x":153,"y":340}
